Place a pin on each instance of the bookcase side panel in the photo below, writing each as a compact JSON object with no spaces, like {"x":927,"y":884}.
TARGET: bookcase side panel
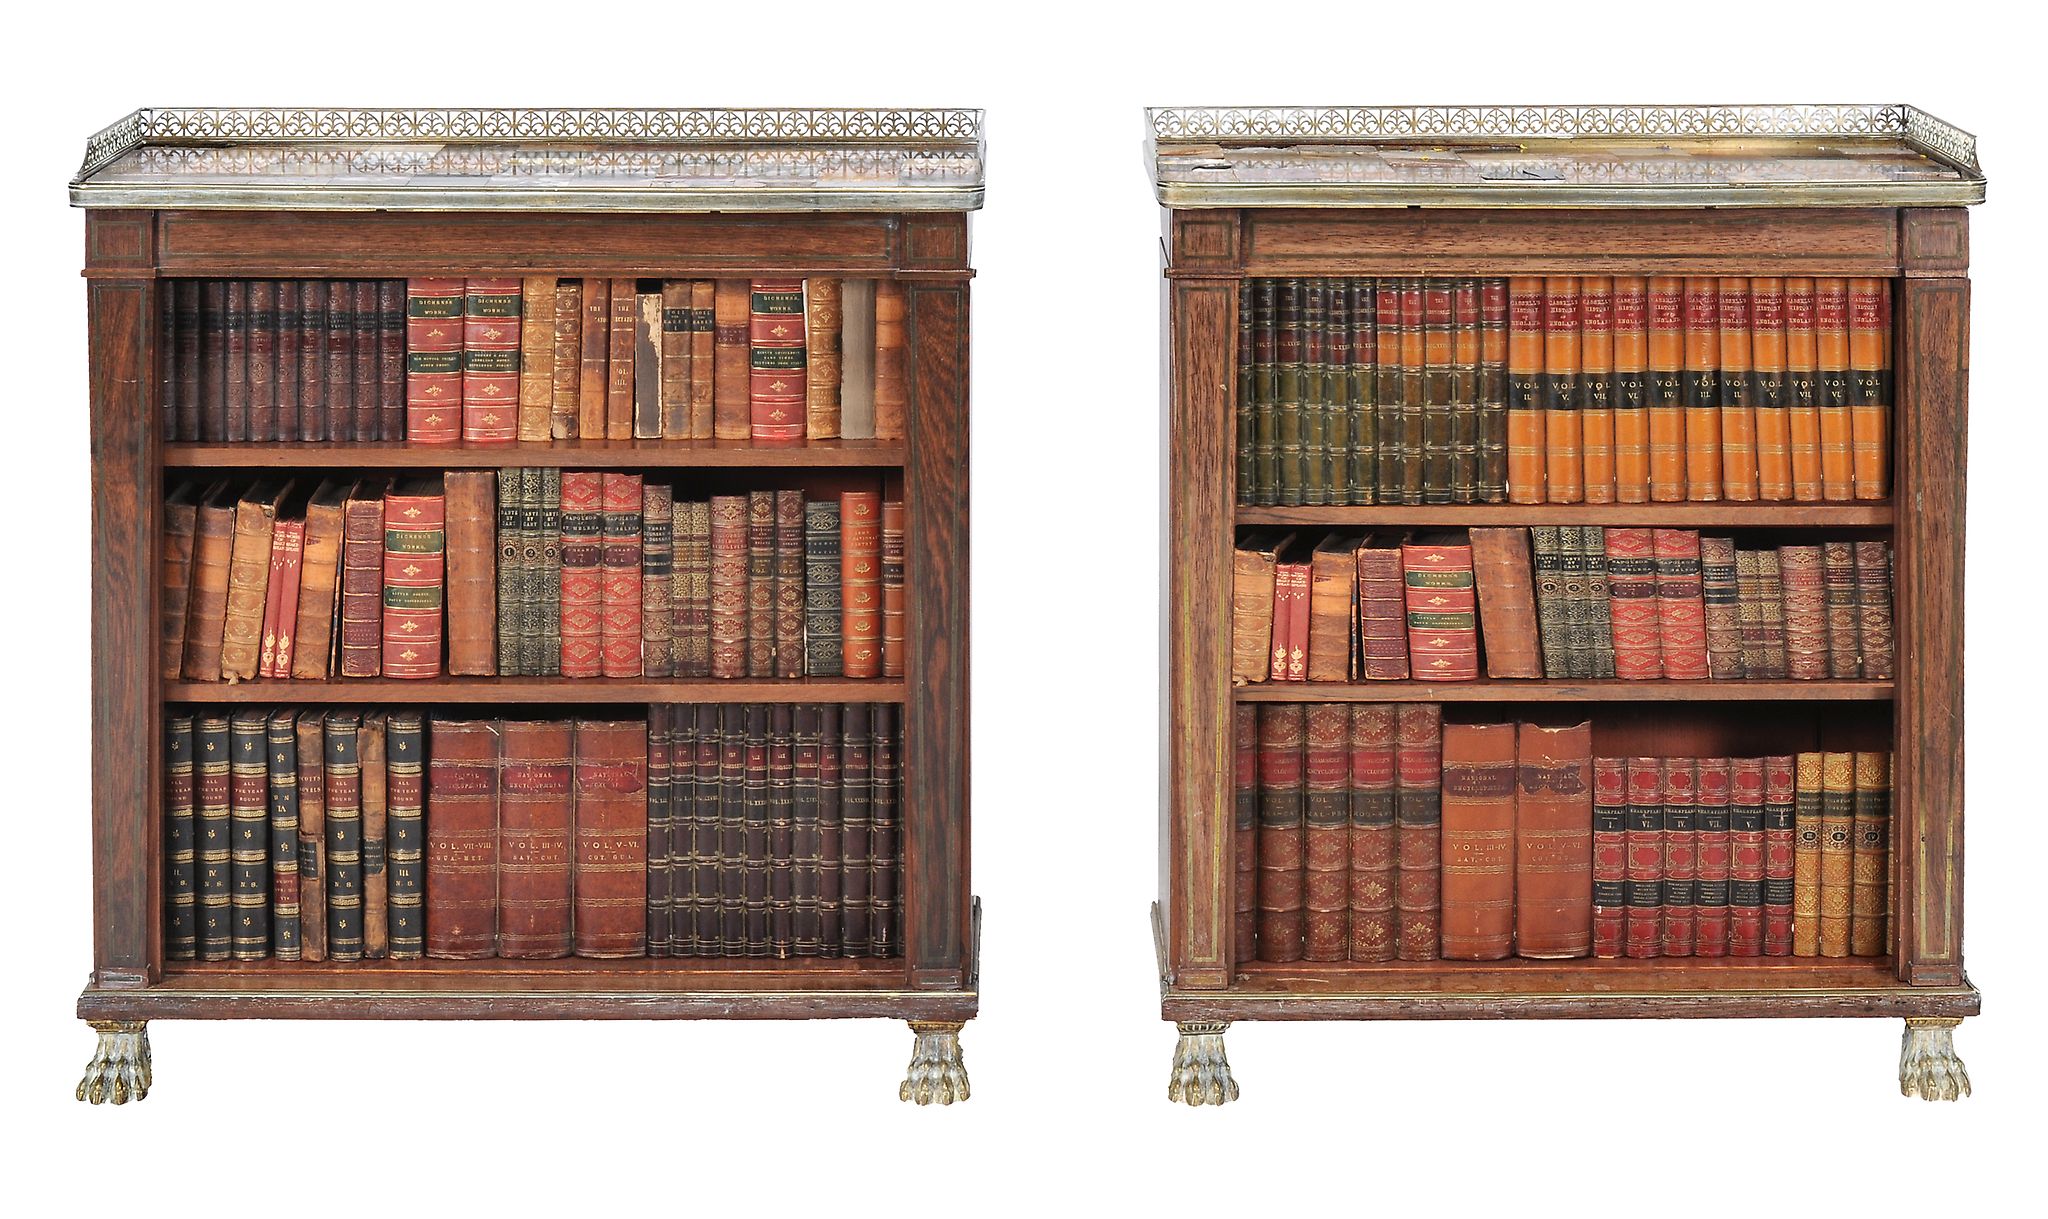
{"x":1933,"y":320}
{"x":121,"y":310}
{"x":937,"y":892}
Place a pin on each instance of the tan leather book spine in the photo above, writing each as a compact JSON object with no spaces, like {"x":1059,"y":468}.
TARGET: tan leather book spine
{"x":732,"y":354}
{"x":1802,"y":389}
{"x":1806,"y":839}
{"x":857,"y":359}
{"x":1665,"y":344}
{"x":611,"y":838}
{"x":312,"y":750}
{"x":1837,"y":851}
{"x":1631,"y":390}
{"x":1478,"y":842}
{"x":181,"y":525}
{"x":892,"y":358}
{"x":619,"y":360}
{"x":1738,"y":403}
{"x":1596,"y":393}
{"x":594,"y":380}
{"x":821,"y":340}
{"x":1251,"y":614}
{"x":1526,"y":458}
{"x":1869,"y":854}
{"x":1332,"y":609}
{"x":248,"y":580}
{"x":703,"y":359}
{"x":1832,"y":359}
{"x":1702,"y":384}
{"x":376,"y":839}
{"x":567,"y":381}
{"x":537,"y":301}
{"x":1773,"y":418}
{"x":1510,"y":641}
{"x":675,"y":359}
{"x":320,"y":581}
{"x":1870,"y":378}
{"x":1554,"y":841}
{"x":1563,"y":422}
{"x":472,"y":572}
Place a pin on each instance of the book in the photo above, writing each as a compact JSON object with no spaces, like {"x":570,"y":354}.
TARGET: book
{"x":1479,"y":838}
{"x":1712,"y":852}
{"x":1563,"y":426}
{"x":372,"y":743}
{"x":433,"y":361}
{"x":610,"y":838}
{"x":215,"y":831}
{"x":1493,"y":386}
{"x":895,"y":594}
{"x":1678,"y":787}
{"x":1839,"y":602}
{"x":367,"y":405}
{"x":822,"y":358}
{"x":776,"y":361}
{"x":261,"y":368}
{"x":1332,"y":609}
{"x":1869,"y":303}
{"x":662,"y":846}
{"x":1632,"y":603}
{"x":1837,"y":848}
{"x":1669,"y":392}
{"x":1439,"y":483}
{"x":181,"y":838}
{"x":313,"y":424}
{"x":823,"y":648}
{"x":1413,"y":436}
{"x":359,"y":640}
{"x":311,"y":755}
{"x":1805,"y":612}
{"x":405,"y":832}
{"x":1807,"y":833}
{"x":1502,"y":568}
{"x":732,"y":375}
{"x":535,"y":810}
{"x":567,"y":382}
{"x":1869,"y":853}
{"x":593,"y":359}
{"x":1721,"y":603}
{"x":1873,"y":580}
{"x":1382,"y":611}
{"x":249,"y":579}
{"x":703,"y":333}
{"x":1737,"y":386}
{"x":1681,"y":610}
{"x":517,"y":554}
{"x":547,"y":593}
{"x":1553,"y":881}
{"x":1596,"y":386}
{"x":249,"y":886}
{"x":648,"y":343}
{"x":1609,"y":906}
{"x":621,"y":349}
{"x":892,"y":360}
{"x":1599,"y":626}
{"x":1281,"y":841}
{"x":582,"y":567}
{"x":537,"y":337}
{"x":1770,"y":589}
{"x":761,"y":585}
{"x":657,"y":586}
{"x":857,"y":359}
{"x":1702,"y":386}
{"x":727,"y":582}
{"x":461,"y":889}
{"x":415,"y":561}
{"x":391,"y":371}
{"x":1418,"y":821}
{"x":619,"y":627}
{"x":1802,"y":389}
{"x":1771,"y":390}
{"x":1374,"y":788}
{"x":1325,"y":892}
{"x":1389,"y":378}
{"x":1443,"y":641}
{"x":1748,"y":784}
{"x":1643,"y":884}
{"x":281,"y":599}
{"x":860,"y":582}
{"x":690,"y":592}
{"x":1831,"y":372}
{"x":1547,"y":550}
{"x":856,"y":807}
{"x":181,"y":524}
{"x":471,"y":514}
{"x":235,"y":359}
{"x":344,"y":787}
{"x":676,"y":340}
{"x":1290,"y":616}
{"x":1631,"y":390}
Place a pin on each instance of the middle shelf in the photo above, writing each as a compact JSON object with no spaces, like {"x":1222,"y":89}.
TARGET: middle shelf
{"x":1534,"y":691}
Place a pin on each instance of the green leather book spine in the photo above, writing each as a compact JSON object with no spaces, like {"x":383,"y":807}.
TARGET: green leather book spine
{"x":1290,"y":354}
{"x":1246,"y":418}
{"x":1387,"y":377}
{"x":1465,"y":391}
{"x":1315,"y":413}
{"x":181,"y":840}
{"x":249,"y":845}
{"x":283,"y":765}
{"x":344,"y":781}
{"x":1265,"y":391}
{"x":1361,"y":391}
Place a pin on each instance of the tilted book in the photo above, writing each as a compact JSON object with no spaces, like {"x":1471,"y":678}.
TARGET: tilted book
{"x":1502,"y":571}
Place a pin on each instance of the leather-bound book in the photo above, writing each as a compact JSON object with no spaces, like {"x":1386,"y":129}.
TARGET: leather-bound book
{"x":1282,"y":846}
{"x":1869,"y":853}
{"x":1246,"y":413}
{"x":1609,"y":914}
{"x":856,"y":822}
{"x":1382,"y":611}
{"x":546,"y":594}
{"x":415,"y":561}
{"x":1465,"y":391}
{"x":1244,"y":826}
{"x":461,"y":895}
{"x":857,"y":359}
{"x":490,"y":361}
{"x":433,"y":360}
{"x":1414,"y":391}
{"x":280,"y":542}
{"x":732,"y":831}
{"x":391,"y":321}
{"x":1869,"y":387}
{"x":776,"y":363}
{"x":1837,"y":850}
{"x":1563,"y":428}
{"x":1713,"y":852}
{"x":593,"y":359}
{"x":1312,"y":462}
{"x":860,"y":582}
{"x":1418,"y":820}
{"x":672,"y":742}
{"x":366,"y":416}
{"x":621,"y":346}
{"x":248,"y":580}
{"x":235,"y":359}
{"x":1631,"y":390}
{"x":167,"y":363}
{"x":1805,"y":612}
{"x":311,"y":756}
{"x":212,"y":362}
{"x":1252,"y":591}
{"x":728,"y":586}
{"x":892,"y":360}
{"x":1802,"y":389}
{"x":1599,"y":629}
{"x":249,"y":836}
{"x":537,"y":325}
{"x":535,"y":802}
{"x":1493,"y":389}
{"x":405,"y":824}
{"x":1643,"y":880}
{"x":286,"y":346}
{"x":1679,"y":788}
{"x":182,"y":305}
{"x":1478,"y":842}
{"x":359,"y":642}
{"x":372,"y":746}
{"x":566,"y":379}
{"x":1681,"y":608}
{"x":471,"y":511}
{"x":1749,"y":612}
{"x":674,"y":339}
{"x":1747,"y":781}
{"x":647,"y":373}
{"x":1665,"y":343}
{"x":756,"y":864}
{"x":1702,"y":384}
{"x":657,"y":566}
{"x":1439,"y":429}
{"x":287,"y":559}
{"x":1780,"y":854}
{"x":1326,"y":815}
{"x":831,"y":830}
{"x":1332,"y":608}
{"x":1632,"y":603}
{"x":215,"y":831}
{"x":517,"y":553}
{"x":693,"y":797}
{"x":782,"y":831}
{"x":1507,"y":602}
{"x":822,"y":363}
{"x":344,"y":785}
{"x":895,"y":597}
{"x":1291,"y":617}
{"x":261,"y":369}
{"x":1807,"y":833}
{"x":1838,"y":597}
{"x":789,"y":585}
{"x":1443,"y":636}
{"x":312,"y":336}
{"x":1769,"y":391}
{"x":1553,"y":848}
{"x":1831,"y":370}
{"x":1720,"y":597}
{"x":283,"y":845}
{"x":1771,"y":598}
{"x":1375,"y":785}
{"x":761,"y":585}
{"x":732,"y":374}
{"x":582,"y":598}
{"x":1553,"y":608}
{"x":1389,"y":376}
{"x":1873,"y":562}
{"x":807,"y":735}
{"x":1737,"y":388}
{"x":619,"y":620}
{"x":181,"y":839}
{"x":174,"y":598}
{"x":690,"y":589}
{"x":886,"y":841}
{"x":1596,"y":385}
{"x":824,"y":654}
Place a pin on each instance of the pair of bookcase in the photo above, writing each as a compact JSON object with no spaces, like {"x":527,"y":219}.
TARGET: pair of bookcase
{"x":1876,"y":192}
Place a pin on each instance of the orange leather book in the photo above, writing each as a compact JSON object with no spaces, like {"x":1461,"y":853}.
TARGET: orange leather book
{"x":212,"y":550}
{"x":892,"y":360}
{"x":1251,"y":609}
{"x":860,"y":581}
{"x":249,"y":580}
{"x":1332,"y":608}
{"x":376,"y":800}
{"x":1702,"y":388}
{"x":620,"y":355}
{"x":1631,"y":390}
{"x":732,"y":374}
{"x":1665,"y":345}
{"x":1596,"y":400}
{"x":1771,"y":393}
{"x":1802,"y":389}
{"x":1326,"y":839}
{"x":1525,"y":402}
{"x":1382,"y":611}
{"x":1738,"y":407}
{"x":537,"y":298}
{"x":1870,"y":386}
{"x":1553,"y":841}
{"x":611,"y":838}
{"x":1373,"y":790}
{"x":821,"y":340}
{"x":567,"y":380}
{"x":1501,"y":569}
{"x":1831,"y":359}
{"x":1563,"y":427}
{"x":594,"y":378}
{"x":1478,"y":842}
{"x":472,"y":497}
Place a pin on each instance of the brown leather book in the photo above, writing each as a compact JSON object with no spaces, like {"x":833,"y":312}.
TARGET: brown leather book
{"x":675,"y":359}
{"x":620,"y":359}
{"x":361,"y":635}
{"x":1478,"y":841}
{"x":860,"y":581}
{"x":462,"y":839}
{"x":1510,"y":641}
{"x":892,"y":358}
{"x":1418,"y":820}
{"x":788,"y":589}
{"x":537,"y":357}
{"x":657,"y":586}
{"x":732,"y":372}
{"x":249,"y":580}
{"x":821,"y":341}
{"x":1333,"y":608}
{"x":376,"y":918}
{"x":472,"y":542}
{"x":567,"y":380}
{"x":1838,"y":592}
{"x":703,"y":359}
{"x":181,"y":524}
{"x":1282,"y":845}
{"x":761,"y":585}
{"x":611,"y":838}
{"x":1805,"y":611}
{"x":1244,"y":839}
{"x":312,"y":752}
{"x":1326,"y":816}
{"x":1554,"y":841}
{"x":727,"y":585}
{"x":1874,"y":631}
{"x":535,"y":805}
{"x":320,"y":580}
{"x":1251,"y":608}
{"x":593,"y":359}
{"x":1382,"y":611}
{"x":895,"y":595}
{"x":1869,"y":854}
{"x":1373,"y":790}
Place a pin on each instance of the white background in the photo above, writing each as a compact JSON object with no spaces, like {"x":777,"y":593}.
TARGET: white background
{"x":1069,"y":1060}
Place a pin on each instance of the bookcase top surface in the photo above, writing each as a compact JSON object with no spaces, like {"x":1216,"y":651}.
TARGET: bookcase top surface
{"x":883,"y":160}
{"x":1560,"y":156}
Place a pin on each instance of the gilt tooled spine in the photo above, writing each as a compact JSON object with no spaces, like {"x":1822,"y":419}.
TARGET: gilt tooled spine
{"x":567,"y":361}
{"x":361,"y":639}
{"x":1563,"y":426}
{"x":1315,"y":407}
{"x":1333,"y":599}
{"x":537,"y":300}
{"x":1869,"y":387}
{"x":657,"y":585}
{"x":1244,"y":415}
{"x":262,"y":364}
{"x":344,"y":786}
{"x":1388,"y":374}
{"x":703,"y":359}
{"x":1382,"y":614}
{"x":1770,"y":391}
{"x":1748,"y":780}
{"x":1610,"y":857}
{"x":760,"y":583}
{"x":512,"y":610}
{"x":1290,"y":375}
{"x":675,"y":359}
{"x":1712,"y":852}
{"x":235,"y":359}
{"x":593,"y":355}
{"x":1326,"y":814}
{"x":1804,"y":604}
{"x":856,"y":809}
{"x":548,"y":594}
{"x":1507,"y":602}
{"x":312,"y":848}
{"x":461,"y":890}
{"x":661,"y":832}
{"x":1553,"y":610}
{"x":831,"y":831}
{"x":1681,"y":609}
{"x":807,"y":734}
{"x":1244,"y":832}
{"x":1869,"y":853}
{"x":1553,"y":848}
{"x":782,"y":833}
{"x":216,"y":834}
{"x":582,"y":597}
{"x":1596,"y":386}
{"x":1738,"y":392}
{"x":1373,"y":791}
{"x":728,"y":586}
{"x":1721,"y":600}
{"x":1439,"y":396}
{"x":1664,"y":343}
{"x":366,"y":413}
{"x":1838,"y":596}
{"x":732,"y":831}
{"x":683,"y":862}
{"x":433,"y":360}
{"x":1282,"y":846}
{"x":248,"y":581}
{"x":788,"y":589}
{"x":885,"y":840}
{"x":822,"y":358}
{"x":1807,"y":832}
{"x":823,"y":655}
{"x":1832,"y":344}
{"x":390,"y":297}
{"x":1478,"y":843}
{"x":1599,"y":623}
{"x":1873,"y":580}
{"x":1802,"y":389}
{"x":1678,"y":787}
{"x":181,"y":840}
{"x":490,"y":361}
{"x":860,"y":582}
{"x":750,"y":729}
{"x":690,"y":589}
{"x":1837,"y":852}
{"x":1632,"y":603}
{"x":249,"y":841}
{"x":619,"y":623}
{"x":1361,"y":340}
{"x":1631,"y":390}
{"x":1780,"y":822}
{"x":1415,"y":411}
{"x":1264,"y":400}
{"x":213,"y":300}
{"x":732,"y":375}
{"x":535,"y":801}
{"x":415,"y":564}
{"x":183,"y":304}
{"x":283,"y":764}
{"x":313,"y":424}
{"x":892,"y":360}
{"x":621,"y":347}
{"x":1465,"y":391}
{"x":895,"y":596}
{"x":1418,"y":818}
{"x":1702,"y":384}
{"x":405,"y":836}
{"x":1643,"y":883}
{"x":1443,"y":636}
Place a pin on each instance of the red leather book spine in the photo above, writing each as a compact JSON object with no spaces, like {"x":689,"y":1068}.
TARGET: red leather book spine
{"x":1382,"y":613}
{"x":415,"y":560}
{"x":1806,"y":618}
{"x":1326,"y":927}
{"x":611,"y":838}
{"x":1681,"y":608}
{"x":1374,"y":786}
{"x":287,"y":554}
{"x":266,"y":642}
{"x":776,"y":363}
{"x":1443,"y":635}
{"x":1712,"y":851}
{"x":1418,"y":817}
{"x":728,"y":586}
{"x":1644,"y":886}
{"x":462,"y":839}
{"x":1610,"y":856}
{"x":490,"y":361}
{"x":1681,"y":857}
{"x":1553,"y":849}
{"x":310,"y":334}
{"x":1478,"y":843}
{"x":364,"y":416}
{"x":1282,"y":846}
{"x":1632,"y":603}
{"x":391,"y":370}
{"x":1746,"y":857}
{"x":1244,"y":904}
{"x":362,"y":582}
{"x":235,"y":359}
{"x":534,"y":803}
{"x":619,"y":627}
{"x":860,"y":581}
{"x":433,"y":360}
{"x":1873,"y":562}
{"x":582,"y":574}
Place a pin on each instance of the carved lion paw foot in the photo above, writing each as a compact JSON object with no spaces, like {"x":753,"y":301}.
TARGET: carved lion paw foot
{"x":937,"y":1075}
{"x":1201,"y":1071}
{"x":1928,"y":1066}
{"x":119,"y":1070}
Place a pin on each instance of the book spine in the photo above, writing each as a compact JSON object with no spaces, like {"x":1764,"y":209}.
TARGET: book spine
{"x":1596,"y":385}
{"x":471,"y":547}
{"x":537,"y":329}
{"x":181,"y":839}
{"x":1358,"y":340}
{"x":1578,"y":604}
{"x":1681,"y":609}
{"x":167,"y":362}
{"x":535,"y":802}
{"x":1415,"y":412}
{"x":390,"y":354}
{"x":248,"y":582}
{"x":362,"y":585}
{"x":434,"y":325}
{"x":1873,"y":579}
{"x":366,"y":405}
{"x":676,"y":351}
{"x":1418,"y":822}
{"x":1546,"y":544}
{"x":822,"y":359}
{"x":1563,"y":427}
{"x":831,"y":830}
{"x":212,"y":362}
{"x":761,"y":585}
{"x":1808,"y":835}
{"x":823,"y":656}
{"x":1493,"y":388}
{"x":1738,"y":403}
{"x":732,"y":322}
{"x":1869,"y":387}
{"x":415,"y":559}
{"x":1670,"y":387}
{"x":234,"y":359}
{"x":566,"y":382}
{"x":1712,"y":858}
{"x":344,"y":785}
{"x":1333,"y":580}
{"x":728,"y":584}
{"x":657,"y":566}
{"x":610,"y":838}
{"x":582,"y":598}
{"x":1259,"y":476}
{"x":1805,"y":612}
{"x":1771,"y":598}
{"x":1609,"y":913}
{"x":857,"y":359}
{"x":1478,"y":845}
{"x":1771,"y":390}
{"x":1507,"y":602}
{"x":1552,"y":853}
{"x":372,"y":746}
{"x":1599,"y":623}
{"x":1282,"y":844}
{"x":291,"y":551}
{"x":1680,"y":792}
{"x":462,"y":840}
{"x":757,"y":864}
{"x":807,"y":737}
{"x":1389,"y":375}
{"x":647,"y":373}
{"x":1838,"y":596}
{"x":1244,"y":836}
{"x":249,"y":847}
{"x":216,"y":832}
{"x":261,"y":370}
{"x":1831,"y":365}
{"x":1802,"y":389}
{"x":1632,"y":603}
{"x":174,"y":595}
{"x":732,"y":830}
{"x":1631,"y":390}
{"x":860,"y":582}
{"x":1720,"y":597}
{"x":885,"y":843}
{"x":517,"y":553}
{"x":1643,"y":883}
{"x":703,"y":359}
{"x":1315,"y":391}
{"x":1465,"y":391}
{"x":1837,"y":851}
{"x":789,"y":610}
{"x":1780,"y":819}
{"x":1748,"y":782}
{"x":1443,"y":637}
{"x":1383,"y":614}
{"x":1289,"y":406}
{"x":892,"y":361}
{"x":1702,"y":384}
{"x":311,"y":757}
{"x":549,"y":590}
{"x":1375,"y":737}
{"x":619,"y":627}
{"x":1325,"y":896}
{"x":313,"y":423}
{"x":672,"y":878}
{"x":593,"y":359}
{"x":856,"y":808}
{"x":782,"y":835}
{"x":621,"y":348}
{"x":405,"y":869}
{"x":1439,"y":397}
{"x":1290,"y":621}
{"x":691,"y":598}
{"x":184,"y":305}
{"x":1869,"y":853}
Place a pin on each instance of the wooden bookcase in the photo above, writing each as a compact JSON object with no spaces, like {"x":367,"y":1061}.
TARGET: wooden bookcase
{"x":646,"y":193}
{"x":1875,"y":191}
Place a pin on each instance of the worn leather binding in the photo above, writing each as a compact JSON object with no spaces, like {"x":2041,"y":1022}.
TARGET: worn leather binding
{"x":1632,"y":603}
{"x":405,"y":833}
{"x":1550,"y":556}
{"x":761,"y":585}
{"x":535,"y":808}
{"x":311,"y":333}
{"x":311,"y":757}
{"x":857,"y":359}
{"x":1290,"y":617}
{"x":547,"y":594}
{"x":892,"y":360}
{"x":1631,"y":390}
{"x":1443,"y":637}
{"x":1478,"y":875}
{"x":1465,"y":391}
{"x":885,"y":843}
{"x":249,"y":579}
{"x":537,"y":329}
{"x":1838,"y":595}
{"x":860,"y":582}
{"x":732,"y":829}
{"x":1771,"y":392}
{"x":1245,"y":410}
{"x":1562,"y":386}
{"x":1332,"y":610}
{"x":1282,"y":846}
{"x":472,"y":557}
{"x":831,"y":831}
{"x":167,"y":363}
{"x":788,"y":587}
{"x":376,"y":918}
{"x":1439,"y":422}
{"x":1780,"y":854}
{"x":1382,"y":611}
{"x":1747,"y":782}
{"x":1738,"y":392}
{"x":1681,"y":608}
{"x":1669,"y":386}
{"x":822,"y":368}
{"x":1679,"y":789}
{"x":1501,"y":569}
{"x":675,"y":359}
{"x":461,"y":895}
{"x":690,"y":591}
{"x":728,"y":584}
{"x":1314,"y":466}
{"x":367,"y":405}
{"x":1360,"y":390}
{"x":1596,"y":386}
{"x":1252,"y":590}
{"x":566,"y":379}
{"x":856,"y":778}
{"x":782,"y":832}
{"x":415,"y":561}
{"x":1326,"y":814}
{"x":181,"y":524}
{"x":1493,"y":391}
{"x":1553,"y":847}
{"x":1609,"y":913}
{"x":582,"y":598}
{"x":285,"y":939}
{"x":181,"y":839}
{"x":434,"y":324}
{"x":281,"y":608}
{"x":235,"y":359}
{"x":266,"y":648}
{"x":181,"y":306}
{"x":823,"y":648}
{"x":216,"y":832}
{"x":1869,"y":387}
{"x":1831,"y":363}
{"x":1837,"y":848}
{"x":1873,"y":579}
{"x":1244,"y":837}
{"x":1526,"y":423}
{"x":1418,"y":820}
{"x":647,"y":371}
{"x":807,"y":735}
{"x":344,"y":786}
{"x":895,"y":597}
{"x":1643,"y":883}
{"x":619,"y":623}
{"x":1702,"y":384}
{"x":671,"y":863}
{"x":1389,"y":462}
{"x":249,"y":841}
{"x":390,"y":356}
{"x":1805,"y":612}
{"x":517,"y":555}
{"x":731,"y":374}
{"x":593,"y":380}
{"x":261,"y":371}
{"x":1808,"y":832}
{"x":657,"y":566}
{"x":1720,"y":595}
{"x":212,"y":370}
{"x":621,"y":365}
{"x":1374,"y":788}
{"x":360,"y":639}
{"x":1712,"y":855}
{"x":1599,"y":626}
{"x":1414,"y":427}
{"x":1770,"y":586}
{"x":1869,"y":853}
{"x":1802,"y":390}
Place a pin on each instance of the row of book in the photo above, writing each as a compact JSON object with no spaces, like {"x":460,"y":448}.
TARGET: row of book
{"x":1563,"y":389}
{"x":497,"y":359}
{"x":527,"y":572}
{"x":761,"y":830}
{"x":1559,"y":602}
{"x":1371,"y":832}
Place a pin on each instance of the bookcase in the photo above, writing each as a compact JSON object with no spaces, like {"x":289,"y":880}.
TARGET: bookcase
{"x":321,"y":196}
{"x":1530,"y":206}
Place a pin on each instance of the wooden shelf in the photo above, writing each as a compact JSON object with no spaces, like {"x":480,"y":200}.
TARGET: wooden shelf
{"x":577,"y":454}
{"x":1531,"y":691}
{"x":1718,"y":515}
{"x":567,"y":690}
